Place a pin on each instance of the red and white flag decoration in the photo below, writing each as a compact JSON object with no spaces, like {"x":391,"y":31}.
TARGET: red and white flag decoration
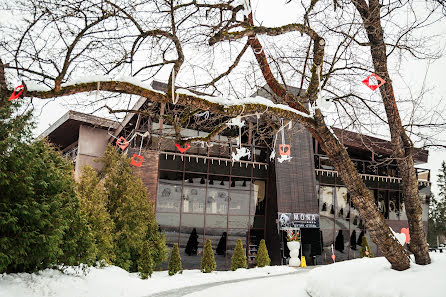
{"x":375,"y":82}
{"x":284,"y":149}
{"x":122,"y":143}
{"x":182,"y":149}
{"x":137,"y":160}
{"x":19,"y":91}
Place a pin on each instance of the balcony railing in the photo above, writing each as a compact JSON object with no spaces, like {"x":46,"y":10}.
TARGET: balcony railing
{"x":71,"y":154}
{"x":370,"y":169}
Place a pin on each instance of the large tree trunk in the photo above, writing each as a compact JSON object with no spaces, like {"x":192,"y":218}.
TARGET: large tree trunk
{"x":380,"y":232}
{"x":401,"y":144}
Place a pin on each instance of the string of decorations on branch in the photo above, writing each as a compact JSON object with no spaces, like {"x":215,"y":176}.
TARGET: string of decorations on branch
{"x":137,"y":158}
{"x":123,"y":143}
{"x":204,"y":114}
{"x":240,"y":152}
{"x":284,"y":149}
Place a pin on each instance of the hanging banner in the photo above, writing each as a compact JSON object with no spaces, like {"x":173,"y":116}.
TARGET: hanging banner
{"x":289,"y":220}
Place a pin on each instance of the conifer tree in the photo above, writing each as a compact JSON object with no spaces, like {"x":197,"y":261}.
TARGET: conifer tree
{"x":238,"y":259}
{"x":175,"y":261}
{"x":207,"y":260}
{"x":262,"y":258}
{"x":41,"y":222}
{"x":437,"y":209}
{"x":130,"y":211}
{"x":145,"y":264}
{"x":365,"y":249}
{"x":93,"y":198}
{"x":157,"y":240}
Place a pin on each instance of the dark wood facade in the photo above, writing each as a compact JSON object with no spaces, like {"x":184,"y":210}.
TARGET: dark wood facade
{"x":295,"y":179}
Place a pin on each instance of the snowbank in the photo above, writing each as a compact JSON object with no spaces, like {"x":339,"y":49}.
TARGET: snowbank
{"x":287,"y":285}
{"x":373,"y":277}
{"x":113,"y":281}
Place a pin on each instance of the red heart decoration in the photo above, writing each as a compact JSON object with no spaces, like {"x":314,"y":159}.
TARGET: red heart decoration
{"x":284,"y":149}
{"x":122,"y":143}
{"x":406,"y":231}
{"x":333,"y":257}
{"x":373,"y":87}
{"x":14,"y":95}
{"x":137,"y":160}
{"x":182,"y":149}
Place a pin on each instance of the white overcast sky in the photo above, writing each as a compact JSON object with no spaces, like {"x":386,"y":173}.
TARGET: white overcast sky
{"x":275,"y":13}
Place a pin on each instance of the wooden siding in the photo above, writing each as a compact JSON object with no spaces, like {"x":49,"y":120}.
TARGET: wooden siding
{"x":148,"y":171}
{"x":296,"y":179}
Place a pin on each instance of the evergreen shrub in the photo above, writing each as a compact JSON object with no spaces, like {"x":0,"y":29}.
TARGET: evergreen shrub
{"x":145,"y":263}
{"x":238,"y":257}
{"x":207,"y":260}
{"x":175,"y":261}
{"x":262,"y":258}
{"x":365,"y":249}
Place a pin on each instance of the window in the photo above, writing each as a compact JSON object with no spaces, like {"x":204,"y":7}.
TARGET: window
{"x":169,"y":191}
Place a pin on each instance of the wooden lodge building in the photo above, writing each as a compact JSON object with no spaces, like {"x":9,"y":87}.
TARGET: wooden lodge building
{"x":205,"y":189}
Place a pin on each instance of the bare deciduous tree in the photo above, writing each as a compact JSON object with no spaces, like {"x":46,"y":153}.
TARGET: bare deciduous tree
{"x":56,"y":41}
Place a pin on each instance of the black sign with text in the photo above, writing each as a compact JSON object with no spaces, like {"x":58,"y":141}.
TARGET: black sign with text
{"x":297,"y":220}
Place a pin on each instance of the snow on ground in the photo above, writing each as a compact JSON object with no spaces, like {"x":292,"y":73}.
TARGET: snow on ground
{"x":361,"y":277}
{"x":373,"y":277}
{"x":287,"y":285}
{"x":113,"y":281}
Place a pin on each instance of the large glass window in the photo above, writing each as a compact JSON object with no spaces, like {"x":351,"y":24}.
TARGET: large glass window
{"x":169,"y":191}
{"x":326,"y":201}
{"x":214,"y":200}
{"x":383,"y":201}
{"x":240,"y":194}
{"x":217,"y":195}
{"x":258,"y":197}
{"x":394,"y":205}
{"x":194,"y":193}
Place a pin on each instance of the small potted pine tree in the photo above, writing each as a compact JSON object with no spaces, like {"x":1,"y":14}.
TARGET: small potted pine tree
{"x":238,"y":259}
{"x":208,"y":261}
{"x":175,"y":261}
{"x":262,"y":258}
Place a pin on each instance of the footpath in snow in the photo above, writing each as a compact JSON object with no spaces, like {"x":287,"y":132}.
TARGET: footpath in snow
{"x":113,"y":281}
{"x":361,"y":277}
